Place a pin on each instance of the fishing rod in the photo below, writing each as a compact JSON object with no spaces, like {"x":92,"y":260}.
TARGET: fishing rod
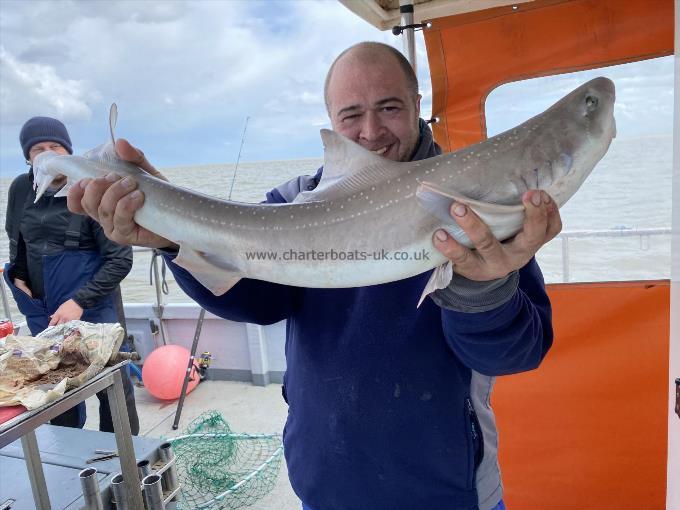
{"x":243,"y":139}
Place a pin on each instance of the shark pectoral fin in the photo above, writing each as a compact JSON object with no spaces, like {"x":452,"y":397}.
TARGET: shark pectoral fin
{"x":64,"y":190}
{"x":216,"y":275}
{"x":440,"y":279}
{"x":503,"y":220}
{"x":438,"y":204}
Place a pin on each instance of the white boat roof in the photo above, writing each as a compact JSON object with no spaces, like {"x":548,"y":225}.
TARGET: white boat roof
{"x":384,"y":14}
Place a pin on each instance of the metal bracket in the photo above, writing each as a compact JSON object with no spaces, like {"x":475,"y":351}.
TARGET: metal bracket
{"x":399,"y":29}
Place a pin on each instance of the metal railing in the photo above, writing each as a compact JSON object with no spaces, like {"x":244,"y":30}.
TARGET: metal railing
{"x":564,"y":237}
{"x":643,"y":233}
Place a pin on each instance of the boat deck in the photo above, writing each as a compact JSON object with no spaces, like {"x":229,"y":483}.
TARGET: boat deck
{"x":247,"y":408}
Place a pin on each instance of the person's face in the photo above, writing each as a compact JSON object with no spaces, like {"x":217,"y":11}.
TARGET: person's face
{"x":41,"y":147}
{"x":370,"y":103}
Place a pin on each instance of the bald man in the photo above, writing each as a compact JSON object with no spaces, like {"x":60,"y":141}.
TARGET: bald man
{"x":388,"y":404}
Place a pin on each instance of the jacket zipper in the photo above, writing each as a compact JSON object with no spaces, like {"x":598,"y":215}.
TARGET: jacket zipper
{"x":473,"y":418}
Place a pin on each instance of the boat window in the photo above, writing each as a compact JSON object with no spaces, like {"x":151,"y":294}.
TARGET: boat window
{"x":617,"y":226}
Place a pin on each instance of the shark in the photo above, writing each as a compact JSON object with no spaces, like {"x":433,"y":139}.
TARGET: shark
{"x":370,"y":220}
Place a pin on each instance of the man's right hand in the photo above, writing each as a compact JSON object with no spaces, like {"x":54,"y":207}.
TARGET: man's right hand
{"x":112,"y":201}
{"x":23,"y":286}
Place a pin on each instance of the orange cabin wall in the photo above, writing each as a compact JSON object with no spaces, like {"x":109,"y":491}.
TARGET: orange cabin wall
{"x":587,"y":430}
{"x":471,"y":54}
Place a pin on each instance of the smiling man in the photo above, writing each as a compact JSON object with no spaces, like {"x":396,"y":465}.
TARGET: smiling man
{"x":388,"y":403}
{"x":376,"y":109}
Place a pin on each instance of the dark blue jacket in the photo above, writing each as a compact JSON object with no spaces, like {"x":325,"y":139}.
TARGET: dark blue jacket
{"x":382,"y":413}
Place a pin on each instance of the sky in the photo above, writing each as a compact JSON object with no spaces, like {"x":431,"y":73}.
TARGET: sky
{"x":186,"y":74}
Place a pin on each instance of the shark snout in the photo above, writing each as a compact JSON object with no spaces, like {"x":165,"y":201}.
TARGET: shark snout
{"x":603,"y":86}
{"x":42,"y":175}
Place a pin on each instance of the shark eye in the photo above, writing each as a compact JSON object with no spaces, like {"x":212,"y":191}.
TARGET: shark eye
{"x":591,"y":103}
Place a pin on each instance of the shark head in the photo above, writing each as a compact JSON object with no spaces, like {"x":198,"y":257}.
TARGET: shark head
{"x":49,"y":166}
{"x":593,"y":105}
{"x":44,"y":172}
{"x":589,"y":127}
{"x":569,"y":139}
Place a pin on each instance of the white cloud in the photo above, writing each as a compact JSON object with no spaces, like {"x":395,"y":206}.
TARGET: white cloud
{"x":184,"y":74}
{"x":644,"y":93}
{"x":31,"y":89}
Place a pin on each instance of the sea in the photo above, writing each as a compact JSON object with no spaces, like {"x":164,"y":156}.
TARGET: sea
{"x":630,"y":188}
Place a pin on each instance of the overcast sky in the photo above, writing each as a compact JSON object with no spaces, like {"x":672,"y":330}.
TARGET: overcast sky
{"x":186,"y":74}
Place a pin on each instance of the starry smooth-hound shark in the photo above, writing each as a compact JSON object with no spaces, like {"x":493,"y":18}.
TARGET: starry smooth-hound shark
{"x":370,"y":220}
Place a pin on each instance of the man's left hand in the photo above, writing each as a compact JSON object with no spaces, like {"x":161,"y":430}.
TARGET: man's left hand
{"x":492,"y":259}
{"x":68,"y":311}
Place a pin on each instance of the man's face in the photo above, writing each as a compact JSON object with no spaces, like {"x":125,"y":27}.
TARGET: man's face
{"x":370,"y":103}
{"x":41,"y":147}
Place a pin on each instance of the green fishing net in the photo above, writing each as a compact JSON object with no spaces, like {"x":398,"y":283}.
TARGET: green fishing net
{"x":221,"y":469}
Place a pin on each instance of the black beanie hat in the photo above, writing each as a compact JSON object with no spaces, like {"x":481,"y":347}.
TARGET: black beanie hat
{"x":43,"y":129}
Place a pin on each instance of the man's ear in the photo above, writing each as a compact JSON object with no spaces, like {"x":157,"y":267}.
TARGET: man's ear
{"x":418,"y":98}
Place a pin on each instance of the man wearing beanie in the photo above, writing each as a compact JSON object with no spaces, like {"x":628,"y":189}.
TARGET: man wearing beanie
{"x":62,"y":267}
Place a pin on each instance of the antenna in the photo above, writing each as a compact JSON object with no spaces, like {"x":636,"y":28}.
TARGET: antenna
{"x":243,"y":139}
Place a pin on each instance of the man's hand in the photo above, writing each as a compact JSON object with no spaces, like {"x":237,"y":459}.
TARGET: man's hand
{"x":23,"y":286}
{"x":492,"y":259}
{"x":68,"y":311}
{"x":112,"y":201}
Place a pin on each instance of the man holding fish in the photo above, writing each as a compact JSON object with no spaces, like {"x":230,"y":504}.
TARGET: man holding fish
{"x":388,"y":403}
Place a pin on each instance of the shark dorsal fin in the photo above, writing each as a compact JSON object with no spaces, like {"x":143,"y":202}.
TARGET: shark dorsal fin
{"x":348,"y":168}
{"x":343,"y":157}
{"x":113,"y":120}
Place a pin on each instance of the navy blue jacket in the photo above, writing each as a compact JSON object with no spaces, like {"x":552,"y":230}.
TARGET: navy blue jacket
{"x":381,"y":412}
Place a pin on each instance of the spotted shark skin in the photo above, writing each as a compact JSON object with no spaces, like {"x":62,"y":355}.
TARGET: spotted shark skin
{"x":366,"y":208}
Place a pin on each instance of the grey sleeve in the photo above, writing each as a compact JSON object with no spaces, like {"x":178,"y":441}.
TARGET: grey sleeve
{"x":463,"y":295}
{"x":289,"y":190}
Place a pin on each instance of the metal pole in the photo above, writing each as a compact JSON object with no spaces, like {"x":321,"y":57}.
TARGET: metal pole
{"x":169,"y":477}
{"x":126,"y":451}
{"x":41,"y":498}
{"x":190,"y":367}
{"x":144,"y":468}
{"x":159,"y":296}
{"x":406,"y":10}
{"x":91,"y":492}
{"x":153,"y":493}
{"x":565,"y":259}
{"x":673,"y":431}
{"x":119,"y":490}
{"x":243,"y":139}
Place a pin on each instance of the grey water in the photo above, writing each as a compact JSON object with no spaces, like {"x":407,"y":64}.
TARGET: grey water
{"x":629,"y":189}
